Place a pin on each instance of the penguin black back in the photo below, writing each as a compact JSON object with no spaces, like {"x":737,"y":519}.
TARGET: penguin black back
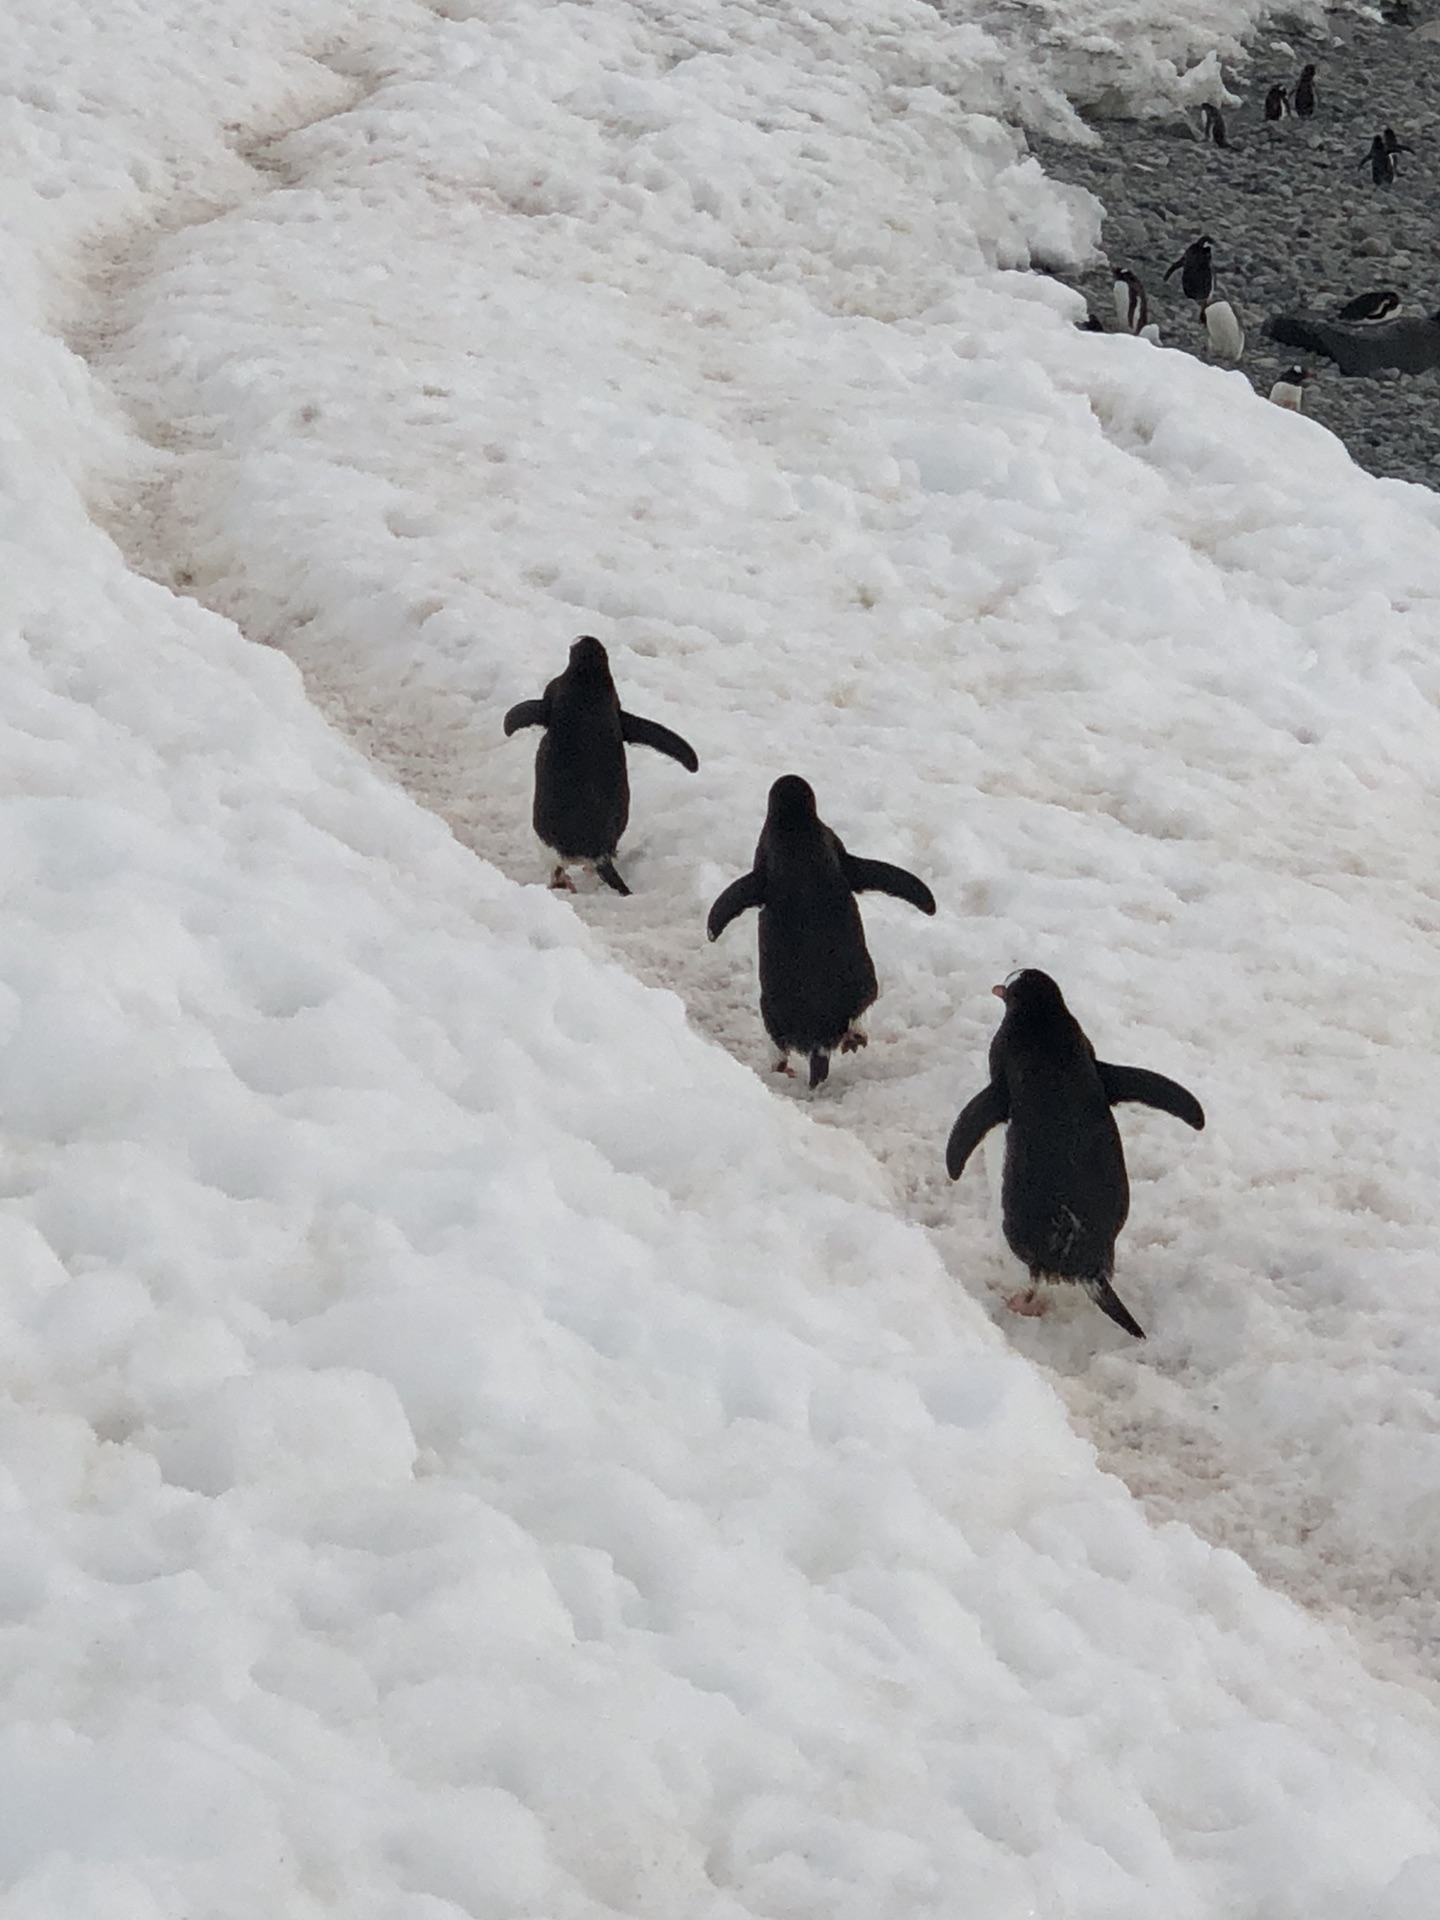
{"x":1378,"y":305}
{"x":1305,"y":93}
{"x":582,"y":783}
{"x":1213,"y":122}
{"x":1065,"y":1193}
{"x":1277,"y":103}
{"x":1196,"y":269}
{"x":816,"y":974}
{"x":1383,"y":164}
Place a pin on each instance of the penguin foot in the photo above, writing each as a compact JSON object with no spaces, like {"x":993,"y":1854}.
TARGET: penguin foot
{"x":853,"y":1039}
{"x":560,"y":881}
{"x":606,"y":871}
{"x":782,"y":1065}
{"x":1031,"y":1302}
{"x":819,"y":1067}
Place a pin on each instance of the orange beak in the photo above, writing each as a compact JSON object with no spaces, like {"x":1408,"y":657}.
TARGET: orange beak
{"x":999,"y":992}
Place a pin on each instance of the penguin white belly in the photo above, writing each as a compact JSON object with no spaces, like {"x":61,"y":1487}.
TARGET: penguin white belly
{"x":1223,"y":330}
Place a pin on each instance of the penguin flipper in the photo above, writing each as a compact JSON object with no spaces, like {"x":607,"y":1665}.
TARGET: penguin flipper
{"x":989,"y":1107}
{"x":1150,"y":1090}
{"x":529,"y":713}
{"x":649,"y":733}
{"x":737,"y":897}
{"x":878,"y":876}
{"x":1110,"y":1304}
{"x":1176,"y":268}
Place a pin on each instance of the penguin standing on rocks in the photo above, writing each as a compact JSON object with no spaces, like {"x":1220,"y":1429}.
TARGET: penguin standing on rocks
{"x":816,"y":974}
{"x":1064,"y":1195}
{"x":1132,"y":309}
{"x":1382,"y":162}
{"x":1371,"y":306}
{"x":1196,"y":269}
{"x":582,"y":785}
{"x":1305,"y":93}
{"x":1224,"y":335}
{"x":1212,"y":123}
{"x":1394,"y":145}
{"x":1289,"y":390}
{"x":1277,"y":103}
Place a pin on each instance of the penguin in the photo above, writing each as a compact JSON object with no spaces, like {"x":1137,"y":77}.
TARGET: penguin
{"x":1223,"y":332}
{"x":1305,"y":93}
{"x":1394,"y":145}
{"x":1197,"y":273}
{"x":1381,"y":161}
{"x":1370,"y":306}
{"x":1277,"y":103}
{"x":1131,"y":306}
{"x":1092,"y":323}
{"x":1064,"y":1195}
{"x":1212,"y":122}
{"x":816,"y":974}
{"x":1151,"y":333}
{"x":582,"y":787}
{"x":1289,"y":390}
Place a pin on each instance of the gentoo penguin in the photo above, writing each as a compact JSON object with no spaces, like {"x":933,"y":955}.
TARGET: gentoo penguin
{"x":1370,"y":306}
{"x":1277,"y":103}
{"x":1305,"y":93}
{"x":1289,"y":390}
{"x":1064,"y":1194}
{"x":1212,"y":122}
{"x":1394,"y":145}
{"x":1197,"y":274}
{"x":1223,"y":332}
{"x":1132,"y":309}
{"x":1092,"y":323}
{"x":1382,"y":162}
{"x":816,"y":974}
{"x":582,"y":787}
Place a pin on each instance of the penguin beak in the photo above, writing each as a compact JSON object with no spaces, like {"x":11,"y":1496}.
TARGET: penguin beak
{"x":999,"y":992}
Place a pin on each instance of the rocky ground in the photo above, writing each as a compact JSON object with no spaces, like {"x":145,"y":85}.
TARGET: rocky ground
{"x":1296,"y":220}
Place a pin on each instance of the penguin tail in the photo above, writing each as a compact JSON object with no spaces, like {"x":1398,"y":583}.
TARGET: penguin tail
{"x":819,"y":1067}
{"x":1110,"y":1303}
{"x":606,"y":871}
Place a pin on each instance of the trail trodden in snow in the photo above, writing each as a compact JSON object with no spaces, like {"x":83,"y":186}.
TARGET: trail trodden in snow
{"x":470,"y":1448}
{"x":583,"y":323}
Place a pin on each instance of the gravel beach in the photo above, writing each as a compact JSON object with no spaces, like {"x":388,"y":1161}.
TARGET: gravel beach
{"x":1296,"y":220}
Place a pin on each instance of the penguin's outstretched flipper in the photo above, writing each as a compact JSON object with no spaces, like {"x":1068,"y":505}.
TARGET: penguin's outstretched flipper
{"x":878,"y":876}
{"x":737,"y":898}
{"x":649,"y":733}
{"x":529,"y":713}
{"x":988,"y":1109}
{"x":1110,"y":1303}
{"x":1150,"y":1090}
{"x":606,"y":871}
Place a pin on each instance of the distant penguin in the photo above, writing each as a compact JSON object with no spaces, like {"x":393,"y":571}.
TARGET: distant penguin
{"x":1196,"y":270}
{"x":1289,"y":390}
{"x":1277,"y":103}
{"x":1394,"y":146}
{"x":1151,"y":333}
{"x":1064,"y":1194}
{"x":1305,"y":93}
{"x":1223,"y":332}
{"x":816,"y":974}
{"x":582,"y":786}
{"x":1132,"y":309}
{"x":1370,"y":306}
{"x":1092,"y":323}
{"x":1212,"y":122}
{"x":1382,"y":162}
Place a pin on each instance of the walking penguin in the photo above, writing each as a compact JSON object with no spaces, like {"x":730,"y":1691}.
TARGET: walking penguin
{"x":1305,"y":92}
{"x":1223,"y":333}
{"x":1383,"y":165}
{"x":1064,"y":1193}
{"x":816,"y":974}
{"x":1277,"y":103}
{"x":1213,"y":124}
{"x":1196,"y":270}
{"x":582,"y":785}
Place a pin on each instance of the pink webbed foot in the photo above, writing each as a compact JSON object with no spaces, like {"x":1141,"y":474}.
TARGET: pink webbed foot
{"x":560,"y":881}
{"x":1032,"y":1303}
{"x":853,"y":1039}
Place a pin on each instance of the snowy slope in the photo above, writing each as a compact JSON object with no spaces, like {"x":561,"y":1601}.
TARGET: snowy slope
{"x":470,"y":1448}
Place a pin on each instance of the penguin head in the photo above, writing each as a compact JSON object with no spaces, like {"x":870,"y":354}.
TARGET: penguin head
{"x":1296,"y":376}
{"x":1308,"y":72}
{"x":1031,"y":995}
{"x":792,"y":802}
{"x":588,"y":659}
{"x":1204,"y":241}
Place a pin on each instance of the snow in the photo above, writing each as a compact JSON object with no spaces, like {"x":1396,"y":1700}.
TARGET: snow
{"x":473,"y":1444}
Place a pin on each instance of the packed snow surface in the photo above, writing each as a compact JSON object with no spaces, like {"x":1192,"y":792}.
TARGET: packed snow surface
{"x":471,"y":1445}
